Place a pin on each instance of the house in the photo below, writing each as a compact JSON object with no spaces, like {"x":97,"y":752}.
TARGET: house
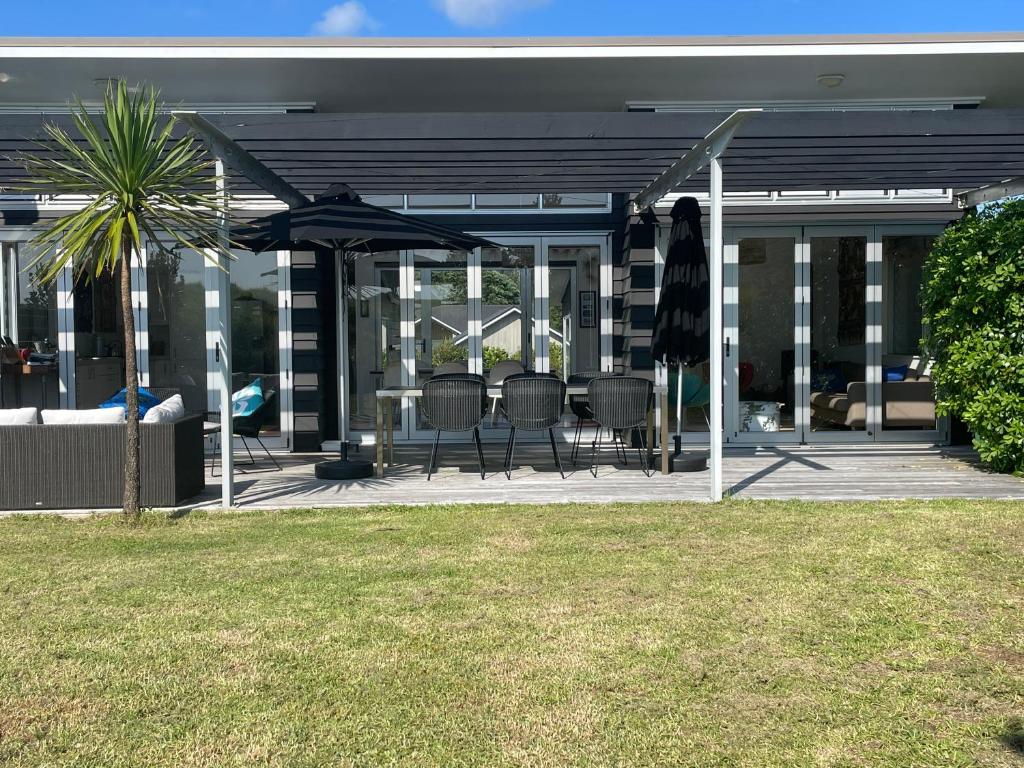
{"x":821,"y":278}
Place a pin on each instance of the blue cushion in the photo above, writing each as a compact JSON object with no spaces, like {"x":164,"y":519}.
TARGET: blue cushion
{"x":247,"y":400}
{"x":894,"y":373}
{"x":146,"y":401}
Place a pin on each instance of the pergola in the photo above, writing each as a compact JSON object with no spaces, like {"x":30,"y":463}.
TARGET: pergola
{"x":641,"y":154}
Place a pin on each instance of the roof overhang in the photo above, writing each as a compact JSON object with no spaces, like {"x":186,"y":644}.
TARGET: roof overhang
{"x":618,"y":152}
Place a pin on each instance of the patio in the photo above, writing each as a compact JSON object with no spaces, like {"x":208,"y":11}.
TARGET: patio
{"x":819,"y":473}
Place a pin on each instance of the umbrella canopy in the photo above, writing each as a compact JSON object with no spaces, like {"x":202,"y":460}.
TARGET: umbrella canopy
{"x":340,"y":220}
{"x":682,"y":320}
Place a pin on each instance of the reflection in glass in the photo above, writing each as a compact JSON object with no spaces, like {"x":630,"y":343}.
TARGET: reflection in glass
{"x":507,"y":307}
{"x":256,"y":349}
{"x":30,"y":319}
{"x":99,"y":340}
{"x":908,"y":397}
{"x":838,"y":319}
{"x":766,"y":377}
{"x":177,"y":324}
{"x":374,"y":336}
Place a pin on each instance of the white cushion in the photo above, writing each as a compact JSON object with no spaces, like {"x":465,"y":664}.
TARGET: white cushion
{"x":171,"y":409}
{"x":92,"y":416}
{"x":19,"y":416}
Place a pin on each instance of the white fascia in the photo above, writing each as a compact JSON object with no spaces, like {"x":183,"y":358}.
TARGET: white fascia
{"x":407,"y":50}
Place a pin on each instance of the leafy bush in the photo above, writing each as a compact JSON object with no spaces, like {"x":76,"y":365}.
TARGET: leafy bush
{"x":447,"y":351}
{"x":555,"y":357}
{"x":494,"y":355}
{"x":973,"y":308}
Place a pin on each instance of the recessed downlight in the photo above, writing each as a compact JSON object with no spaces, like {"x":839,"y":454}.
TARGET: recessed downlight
{"x":4,"y":77}
{"x":831,"y":81}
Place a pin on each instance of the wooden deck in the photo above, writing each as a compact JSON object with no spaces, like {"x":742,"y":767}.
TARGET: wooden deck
{"x":823,"y":473}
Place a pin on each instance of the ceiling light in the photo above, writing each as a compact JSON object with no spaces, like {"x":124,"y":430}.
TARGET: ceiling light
{"x":831,"y":81}
{"x":4,"y":77}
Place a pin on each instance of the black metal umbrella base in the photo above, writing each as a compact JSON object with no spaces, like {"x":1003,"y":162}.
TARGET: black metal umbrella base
{"x":343,"y":469}
{"x":688,"y":461}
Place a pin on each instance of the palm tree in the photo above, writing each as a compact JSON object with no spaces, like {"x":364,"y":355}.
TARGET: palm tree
{"x":142,"y":182}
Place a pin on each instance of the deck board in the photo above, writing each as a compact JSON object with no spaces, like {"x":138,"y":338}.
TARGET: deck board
{"x":823,"y":473}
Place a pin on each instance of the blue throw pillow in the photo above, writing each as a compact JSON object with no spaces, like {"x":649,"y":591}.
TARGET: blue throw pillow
{"x":894,"y":373}
{"x":247,"y":400}
{"x":146,"y":401}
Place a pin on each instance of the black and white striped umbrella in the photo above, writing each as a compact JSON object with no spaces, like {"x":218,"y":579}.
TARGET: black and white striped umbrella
{"x":340,"y":220}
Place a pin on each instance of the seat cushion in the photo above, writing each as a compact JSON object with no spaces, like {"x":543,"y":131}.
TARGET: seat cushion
{"x":90,"y":416}
{"x":10,"y":416}
{"x":170,"y":410}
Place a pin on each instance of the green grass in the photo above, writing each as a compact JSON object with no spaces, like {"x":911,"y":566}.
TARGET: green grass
{"x":742,"y":634}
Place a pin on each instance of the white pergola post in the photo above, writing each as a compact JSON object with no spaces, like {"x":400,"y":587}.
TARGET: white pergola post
{"x":717,"y":351}
{"x":227,"y":453}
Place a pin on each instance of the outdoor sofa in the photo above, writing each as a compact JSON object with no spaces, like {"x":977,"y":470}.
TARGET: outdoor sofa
{"x":81,"y":466}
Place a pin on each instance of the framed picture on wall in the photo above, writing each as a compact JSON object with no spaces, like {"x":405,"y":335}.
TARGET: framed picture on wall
{"x":588,"y":309}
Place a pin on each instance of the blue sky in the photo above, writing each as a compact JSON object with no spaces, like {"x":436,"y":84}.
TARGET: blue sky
{"x":416,"y":18}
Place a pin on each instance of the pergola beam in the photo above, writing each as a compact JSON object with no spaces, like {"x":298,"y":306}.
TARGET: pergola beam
{"x":224,"y":148}
{"x":703,"y":152}
{"x":991,"y":192}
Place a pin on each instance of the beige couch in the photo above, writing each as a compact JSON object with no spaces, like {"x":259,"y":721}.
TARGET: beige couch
{"x":907,"y":403}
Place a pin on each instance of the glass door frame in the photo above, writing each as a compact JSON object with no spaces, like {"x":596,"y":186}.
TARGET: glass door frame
{"x":939,"y":435}
{"x":733,"y":349}
{"x":211,"y":275}
{"x":872,"y":335}
{"x":541,"y":241}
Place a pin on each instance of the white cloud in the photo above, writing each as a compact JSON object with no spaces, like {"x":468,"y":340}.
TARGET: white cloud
{"x":348,"y":18}
{"x":484,"y":13}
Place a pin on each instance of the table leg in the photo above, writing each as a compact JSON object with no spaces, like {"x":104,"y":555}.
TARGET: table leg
{"x":650,"y":435}
{"x":378,"y":469}
{"x":390,"y":416}
{"x":664,"y":433}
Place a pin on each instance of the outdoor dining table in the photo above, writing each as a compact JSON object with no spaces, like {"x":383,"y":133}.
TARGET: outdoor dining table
{"x":386,"y":420}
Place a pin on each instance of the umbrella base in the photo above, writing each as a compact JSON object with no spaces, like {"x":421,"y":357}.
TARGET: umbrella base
{"x":688,"y":461}
{"x":343,"y":469}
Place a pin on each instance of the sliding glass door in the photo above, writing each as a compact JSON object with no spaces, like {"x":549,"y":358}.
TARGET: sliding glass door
{"x":763,"y":364}
{"x":823,"y":337}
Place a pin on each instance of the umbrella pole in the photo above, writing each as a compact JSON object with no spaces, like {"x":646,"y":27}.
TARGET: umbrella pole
{"x":343,"y":468}
{"x":679,"y":409}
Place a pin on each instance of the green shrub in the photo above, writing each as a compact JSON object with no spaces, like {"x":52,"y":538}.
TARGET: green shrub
{"x":494,"y":355}
{"x":447,"y":351}
{"x":973,"y":308}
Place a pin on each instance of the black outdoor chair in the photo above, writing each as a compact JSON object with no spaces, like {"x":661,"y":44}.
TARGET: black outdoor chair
{"x":532,"y":402}
{"x":455,"y":402}
{"x":580,"y":407}
{"x":620,"y":403}
{"x":249,"y":427}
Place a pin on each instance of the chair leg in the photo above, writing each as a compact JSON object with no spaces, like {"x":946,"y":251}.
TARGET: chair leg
{"x":576,"y":441}
{"x":707,"y":419}
{"x":554,"y":450}
{"x":269,"y":454}
{"x":252,"y":460}
{"x":643,"y":453}
{"x":620,"y":445}
{"x":595,"y":453}
{"x":510,"y":453}
{"x":479,"y":451}
{"x":433,"y":455}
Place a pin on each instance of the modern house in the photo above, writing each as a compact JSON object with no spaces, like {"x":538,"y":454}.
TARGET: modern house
{"x":822,"y":323}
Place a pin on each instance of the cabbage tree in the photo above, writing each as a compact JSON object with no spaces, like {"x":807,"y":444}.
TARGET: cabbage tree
{"x":144,"y":184}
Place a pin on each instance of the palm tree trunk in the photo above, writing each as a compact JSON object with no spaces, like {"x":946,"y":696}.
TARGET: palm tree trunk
{"x":131,"y":376}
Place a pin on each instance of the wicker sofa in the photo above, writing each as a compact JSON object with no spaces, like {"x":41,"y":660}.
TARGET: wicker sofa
{"x":81,"y":466}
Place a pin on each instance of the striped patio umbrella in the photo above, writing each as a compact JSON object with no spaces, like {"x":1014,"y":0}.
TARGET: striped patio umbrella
{"x":340,"y":220}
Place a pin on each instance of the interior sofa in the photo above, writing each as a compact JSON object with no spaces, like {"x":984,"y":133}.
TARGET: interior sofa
{"x":81,"y":466}
{"x":907,"y":403}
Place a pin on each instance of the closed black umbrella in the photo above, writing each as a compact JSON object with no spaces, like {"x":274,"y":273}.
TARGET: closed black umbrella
{"x":340,"y":220}
{"x":682,"y":322}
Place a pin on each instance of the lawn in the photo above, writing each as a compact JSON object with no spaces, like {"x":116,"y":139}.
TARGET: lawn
{"x":742,"y":634}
